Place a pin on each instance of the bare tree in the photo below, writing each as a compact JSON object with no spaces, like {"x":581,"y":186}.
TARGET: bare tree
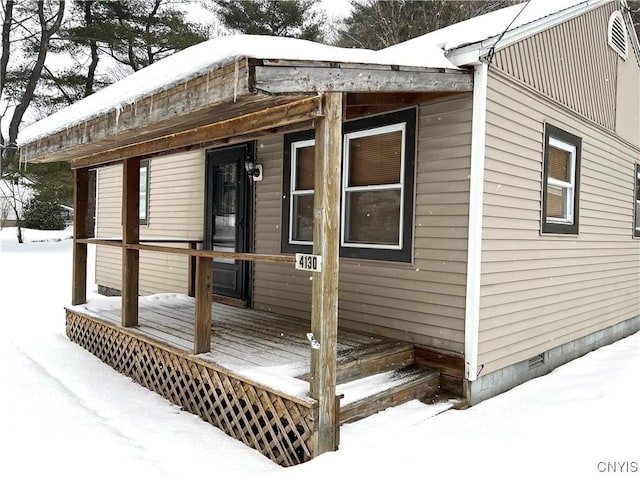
{"x":4,"y":211}
{"x":49,"y":23}
{"x":15,"y":202}
{"x":7,"y":21}
{"x":16,"y":100}
{"x":377,"y":24}
{"x":634,"y":9}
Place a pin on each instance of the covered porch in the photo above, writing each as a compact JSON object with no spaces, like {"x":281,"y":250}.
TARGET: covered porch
{"x":271,"y":382}
{"x":253,"y":383}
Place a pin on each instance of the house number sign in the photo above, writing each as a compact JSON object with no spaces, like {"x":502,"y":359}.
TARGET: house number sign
{"x":310,"y":263}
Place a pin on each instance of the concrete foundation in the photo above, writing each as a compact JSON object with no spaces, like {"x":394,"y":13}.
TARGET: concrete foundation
{"x":506,"y":378}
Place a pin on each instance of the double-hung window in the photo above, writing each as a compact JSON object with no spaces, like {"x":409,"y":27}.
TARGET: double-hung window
{"x":301,"y":197}
{"x":561,"y":174}
{"x":636,"y":204}
{"x":376,"y":188}
{"x":372,"y":185}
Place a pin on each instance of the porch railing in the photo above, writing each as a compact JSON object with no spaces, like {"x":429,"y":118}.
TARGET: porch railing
{"x":200,"y":277}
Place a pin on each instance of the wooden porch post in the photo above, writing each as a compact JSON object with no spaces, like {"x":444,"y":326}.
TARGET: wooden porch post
{"x":203,"y":287}
{"x":130,"y":235}
{"x":324,"y":309}
{"x":80,"y":230}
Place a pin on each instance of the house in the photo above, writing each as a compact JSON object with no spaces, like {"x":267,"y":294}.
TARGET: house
{"x":464,"y":206}
{"x":13,"y":198}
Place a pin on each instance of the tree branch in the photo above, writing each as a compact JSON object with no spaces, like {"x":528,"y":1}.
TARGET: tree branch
{"x":43,"y":48}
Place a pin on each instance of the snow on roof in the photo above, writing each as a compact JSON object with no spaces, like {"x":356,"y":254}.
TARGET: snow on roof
{"x":486,"y":26}
{"x":208,"y":56}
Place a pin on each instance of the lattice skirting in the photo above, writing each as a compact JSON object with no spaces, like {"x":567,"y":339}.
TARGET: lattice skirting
{"x":278,"y":426}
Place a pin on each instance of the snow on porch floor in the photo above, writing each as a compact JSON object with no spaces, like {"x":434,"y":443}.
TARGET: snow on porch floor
{"x":261,"y":346}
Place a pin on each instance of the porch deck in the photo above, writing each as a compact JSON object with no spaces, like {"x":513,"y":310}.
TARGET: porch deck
{"x":267,"y":347}
{"x":253,"y":384}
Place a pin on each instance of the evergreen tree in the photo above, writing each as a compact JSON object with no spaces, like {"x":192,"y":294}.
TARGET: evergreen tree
{"x":377,"y":24}
{"x":43,"y":215}
{"x":136,"y":33}
{"x":280,"y":18}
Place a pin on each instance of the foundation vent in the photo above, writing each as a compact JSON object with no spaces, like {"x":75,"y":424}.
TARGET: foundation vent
{"x":537,"y":361}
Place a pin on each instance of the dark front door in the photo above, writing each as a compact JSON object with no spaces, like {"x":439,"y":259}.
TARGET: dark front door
{"x":227,"y":221}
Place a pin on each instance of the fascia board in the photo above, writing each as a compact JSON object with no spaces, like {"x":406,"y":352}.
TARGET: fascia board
{"x":471,"y":54}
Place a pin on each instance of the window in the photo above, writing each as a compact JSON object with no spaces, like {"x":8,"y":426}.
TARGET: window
{"x":301,"y":198}
{"x":143,"y":206}
{"x":377,"y":188}
{"x":636,"y":205}
{"x":372,"y":188}
{"x":560,"y":189}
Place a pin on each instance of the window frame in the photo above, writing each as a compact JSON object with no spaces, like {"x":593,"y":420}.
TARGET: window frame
{"x":562,"y":140}
{"x":636,"y":203}
{"x":346,"y":189}
{"x":144,"y":219}
{"x":287,"y":173}
{"x":293,"y":192}
{"x":404,"y":120}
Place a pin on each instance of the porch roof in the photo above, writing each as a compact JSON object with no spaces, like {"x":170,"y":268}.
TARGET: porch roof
{"x":248,"y":81}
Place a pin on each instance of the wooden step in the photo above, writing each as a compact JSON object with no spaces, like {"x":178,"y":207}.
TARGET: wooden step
{"x":369,"y":360}
{"x":366,"y":396}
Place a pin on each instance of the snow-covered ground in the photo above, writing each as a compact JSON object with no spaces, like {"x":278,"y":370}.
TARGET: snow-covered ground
{"x":64,"y":414}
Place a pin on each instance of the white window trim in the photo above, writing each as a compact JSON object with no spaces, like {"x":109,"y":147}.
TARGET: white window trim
{"x":567,"y":187}
{"x":395,"y":186}
{"x":292,"y":187}
{"x":144,"y":220}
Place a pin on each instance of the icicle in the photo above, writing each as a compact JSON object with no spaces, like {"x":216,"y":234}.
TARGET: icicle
{"x":208,"y":75}
{"x":235,"y":83}
{"x":118,"y":110}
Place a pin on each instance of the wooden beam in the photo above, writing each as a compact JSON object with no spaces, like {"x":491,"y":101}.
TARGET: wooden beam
{"x":191,"y":98}
{"x":391,"y":99}
{"x":80,"y":231}
{"x":191,"y":274}
{"x":202,"y":329}
{"x":304,"y":79}
{"x":192,"y":252}
{"x":269,"y":118}
{"x":324,"y":308}
{"x":130,"y":235}
{"x":252,"y":257}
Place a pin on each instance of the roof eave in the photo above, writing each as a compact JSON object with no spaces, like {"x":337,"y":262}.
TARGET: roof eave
{"x":473,"y":54}
{"x":227,"y":94}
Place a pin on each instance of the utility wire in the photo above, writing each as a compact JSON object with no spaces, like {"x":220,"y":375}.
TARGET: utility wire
{"x":492,"y":50}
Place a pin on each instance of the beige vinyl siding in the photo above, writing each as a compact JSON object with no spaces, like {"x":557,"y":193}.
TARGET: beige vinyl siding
{"x":421,"y":302}
{"x":176,"y":211}
{"x":540,"y":291}
{"x":628,"y":99}
{"x":571,"y":63}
